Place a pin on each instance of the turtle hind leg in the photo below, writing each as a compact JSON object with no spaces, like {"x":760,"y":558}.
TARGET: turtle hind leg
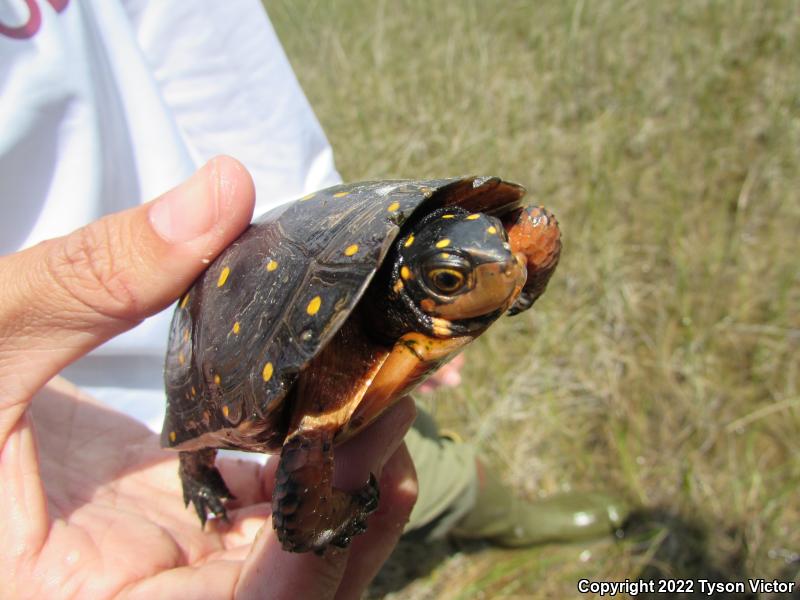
{"x":203,"y":485}
{"x":308,"y":513}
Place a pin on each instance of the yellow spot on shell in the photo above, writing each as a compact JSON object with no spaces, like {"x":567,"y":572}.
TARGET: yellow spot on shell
{"x":313,"y":306}
{"x":266,"y":372}
{"x":409,"y":241}
{"x":398,"y":286}
{"x":172,"y":436}
{"x":473,"y":217}
{"x":448,"y":216}
{"x":225,"y":410}
{"x":444,"y":255}
{"x":223,"y":276}
{"x":405,"y":272}
{"x":181,"y":358}
{"x":272,"y":265}
{"x":184,"y":300}
{"x":236,"y":328}
{"x":491,"y":230}
{"x":194,"y":391}
{"x":217,"y":379}
{"x":443,"y":243}
{"x":308,"y":196}
{"x":393,"y":206}
{"x":350,"y":250}
{"x":340,"y":194}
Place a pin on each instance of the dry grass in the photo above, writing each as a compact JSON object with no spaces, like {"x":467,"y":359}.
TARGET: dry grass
{"x":664,"y":360}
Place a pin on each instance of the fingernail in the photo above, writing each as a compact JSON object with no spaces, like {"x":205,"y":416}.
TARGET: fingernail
{"x":190,"y":210}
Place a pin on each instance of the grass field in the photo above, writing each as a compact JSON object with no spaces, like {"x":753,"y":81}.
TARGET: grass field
{"x":664,"y":360}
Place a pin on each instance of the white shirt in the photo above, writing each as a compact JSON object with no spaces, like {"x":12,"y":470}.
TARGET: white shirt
{"x":108,"y":103}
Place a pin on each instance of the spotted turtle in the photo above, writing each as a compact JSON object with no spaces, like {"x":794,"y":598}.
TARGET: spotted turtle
{"x":323,"y":313}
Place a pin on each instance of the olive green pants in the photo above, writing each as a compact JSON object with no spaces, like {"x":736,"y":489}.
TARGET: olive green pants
{"x":447,"y":475}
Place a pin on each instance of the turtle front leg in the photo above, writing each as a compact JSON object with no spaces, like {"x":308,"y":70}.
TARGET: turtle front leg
{"x":203,"y":485}
{"x":308,"y":513}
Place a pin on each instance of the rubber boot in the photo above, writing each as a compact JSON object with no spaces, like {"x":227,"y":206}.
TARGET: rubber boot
{"x":501,"y":518}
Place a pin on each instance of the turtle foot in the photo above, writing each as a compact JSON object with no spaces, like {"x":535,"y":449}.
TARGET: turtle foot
{"x":308,"y":513}
{"x":203,"y":485}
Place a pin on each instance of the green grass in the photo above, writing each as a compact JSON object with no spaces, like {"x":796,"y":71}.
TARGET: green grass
{"x":664,"y":360}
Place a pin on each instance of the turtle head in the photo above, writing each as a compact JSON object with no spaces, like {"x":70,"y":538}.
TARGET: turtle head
{"x":453,"y":273}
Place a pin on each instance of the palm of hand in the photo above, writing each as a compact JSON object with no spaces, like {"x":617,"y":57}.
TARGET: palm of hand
{"x":112,"y":521}
{"x":113,"y":499}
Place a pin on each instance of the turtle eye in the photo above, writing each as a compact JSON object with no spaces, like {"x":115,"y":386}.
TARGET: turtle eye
{"x":446,"y":280}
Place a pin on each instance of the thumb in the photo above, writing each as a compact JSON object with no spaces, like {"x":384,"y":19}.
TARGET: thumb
{"x":65,"y":296}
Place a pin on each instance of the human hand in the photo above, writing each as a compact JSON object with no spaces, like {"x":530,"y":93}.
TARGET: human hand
{"x":90,"y":505}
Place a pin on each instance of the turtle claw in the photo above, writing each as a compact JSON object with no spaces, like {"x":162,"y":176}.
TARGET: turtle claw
{"x":203,"y":485}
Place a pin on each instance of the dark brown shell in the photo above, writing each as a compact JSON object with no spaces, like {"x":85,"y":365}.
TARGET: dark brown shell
{"x":268,"y":304}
